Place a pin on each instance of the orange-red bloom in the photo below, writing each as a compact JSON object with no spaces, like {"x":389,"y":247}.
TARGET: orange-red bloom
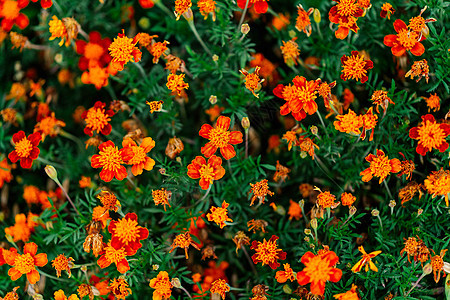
{"x":267,"y":252}
{"x":303,"y":23}
{"x":380,"y":166}
{"x":220,"y":287}
{"x":10,"y":14}
{"x":386,"y":10}
{"x":355,"y":67}
{"x":138,"y":155}
{"x":287,"y":274}
{"x":220,"y":138}
{"x":123,"y":49}
{"x":146,"y":3}
{"x":5,"y":172}
{"x":119,"y":287}
{"x":261,"y":6}
{"x":61,"y":263}
{"x":345,"y":13}
{"x":183,"y":240}
{"x":219,"y":215}
{"x":97,"y":119}
{"x":438,"y":183}
{"x":161,"y":196}
{"x":318,"y":270}
{"x":94,"y":53}
{"x":366,"y":261}
{"x":162,"y":286}
{"x":127,"y":233}
{"x":206,"y":171}
{"x":25,"y":263}
{"x":111,"y":255}
{"x":26,"y":149}
{"x":110,"y":159}
{"x":430,"y":134}
{"x":404,"y":40}
{"x":348,"y":295}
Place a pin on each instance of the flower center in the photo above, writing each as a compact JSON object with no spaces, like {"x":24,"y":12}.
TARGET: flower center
{"x":306,"y":94}
{"x":121,"y":49}
{"x":407,"y":38}
{"x":114,"y":255}
{"x":97,"y":119}
{"x":24,"y":147}
{"x":139,"y":155}
{"x":354,"y":67}
{"x":267,"y":252}
{"x":252,"y":81}
{"x":290,"y":93}
{"x":347,"y":7}
{"x":10,"y":10}
{"x":24,"y":263}
{"x":416,"y":24}
{"x":380,"y":166}
{"x":57,"y":28}
{"x":93,"y":51}
{"x":437,"y":263}
{"x":207,"y":173}
{"x":182,"y":6}
{"x":219,"y":137}
{"x":127,"y":230}
{"x":318,"y":269}
{"x":431,"y":135}
{"x":110,"y":158}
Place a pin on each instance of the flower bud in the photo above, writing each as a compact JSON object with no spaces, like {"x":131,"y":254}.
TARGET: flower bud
{"x":155,"y":267}
{"x":392,"y":203}
{"x":176,"y":282}
{"x":307,"y":231}
{"x":245,"y":122}
{"x":316,"y":15}
{"x":419,"y":211}
{"x":213,"y":99}
{"x":188,"y":15}
{"x":287,"y":289}
{"x":245,"y":28}
{"x":427,"y":269}
{"x":144,"y":23}
{"x":375,"y":212}
{"x":314,"y":130}
{"x":292,"y":34}
{"x":314,"y":223}
{"x":51,"y":172}
{"x":352,"y":210}
{"x":215,"y":57}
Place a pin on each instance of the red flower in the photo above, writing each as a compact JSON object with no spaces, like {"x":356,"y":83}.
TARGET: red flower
{"x":111,"y":255}
{"x":261,"y":6}
{"x":97,"y":119}
{"x":127,"y":233}
{"x":45,"y":3}
{"x":430,"y":134}
{"x":355,"y":67}
{"x":220,"y":137}
{"x":267,"y":252}
{"x":207,"y":172}
{"x":110,"y":159}
{"x":95,"y":53}
{"x":10,"y":13}
{"x":146,"y":3}
{"x":405,"y":39}
{"x":25,"y":148}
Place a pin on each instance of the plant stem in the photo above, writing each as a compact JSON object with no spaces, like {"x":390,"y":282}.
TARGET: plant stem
{"x":67,"y":196}
{"x":323,"y":124}
{"x":206,"y":194}
{"x":387,"y":189}
{"x":164,"y":8}
{"x":187,"y":293}
{"x":141,"y":70}
{"x":243,"y":15}
{"x":246,"y":143}
{"x":415,"y":284}
{"x":252,"y":265}
{"x":199,"y":39}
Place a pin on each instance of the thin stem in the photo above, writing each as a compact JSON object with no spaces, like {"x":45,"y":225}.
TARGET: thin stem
{"x":387,"y":189}
{"x":381,"y":223}
{"x":246,"y":143}
{"x":252,"y":265}
{"x":73,"y":138}
{"x":164,"y":8}
{"x":319,"y":31}
{"x":67,"y":196}
{"x":47,"y":162}
{"x":194,"y":30}
{"x":184,"y":290}
{"x":141,"y":70}
{"x":415,"y":284}
{"x":132,"y":182}
{"x":323,"y":124}
{"x":206,"y":194}
{"x":243,"y":15}
{"x":58,"y":8}
{"x":52,"y":277}
{"x":83,"y":33}
{"x":29,"y":45}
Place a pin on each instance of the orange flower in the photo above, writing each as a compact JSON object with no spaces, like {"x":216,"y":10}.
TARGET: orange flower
{"x":355,"y":67}
{"x":307,"y":145}
{"x":100,"y":214}
{"x":407,"y":167}
{"x":348,"y":295}
{"x":274,"y":143}
{"x":127,"y":234}
{"x":290,"y":52}
{"x":31,"y":194}
{"x":146,"y":3}
{"x":281,"y":172}
{"x":206,"y":171}
{"x":349,"y":123}
{"x":303,"y":23}
{"x":437,"y":263}
{"x":404,"y":40}
{"x":61,"y":262}
{"x":267,"y":252}
{"x":214,"y":112}
{"x":20,"y":231}
{"x":10,"y":14}
{"x":291,"y":138}
{"x":430,"y":134}
{"x":174,"y":147}
{"x":380,"y":166}
{"x":409,"y":191}
{"x":109,"y":201}
{"x":110,"y":255}
{"x":260,"y":190}
{"x":97,"y":119}
{"x":252,"y":80}
{"x":295,"y":211}
{"x":26,"y":149}
{"x":176,"y":83}
{"x":137,"y":155}
{"x":98,"y":76}
{"x":25,"y":263}
{"x":220,"y":287}
{"x":119,"y":287}
{"x":438,"y":184}
{"x":17,"y":92}
{"x":219,"y":215}
{"x":94,"y":53}
{"x":45,"y":3}
{"x":5,"y":172}
{"x":345,"y":13}
{"x":158,"y":49}
{"x":347,"y":199}
{"x":305,"y":189}
{"x":261,"y":6}
{"x":280,"y":21}
{"x":221,"y":138}
{"x":386,"y":10}
{"x":58,"y":29}
{"x":287,"y":274}
{"x":326,"y":199}
{"x":9,"y":115}
{"x":181,"y":6}
{"x":381,"y":98}
{"x":207,"y":7}
{"x":324,"y":91}
{"x":59,"y":295}
{"x":162,"y":286}
{"x":419,"y":69}
{"x":433,"y":102}
{"x":161,"y":196}
{"x":369,"y":121}
{"x":154,"y":105}
{"x":183,"y":240}
{"x":49,"y":126}
{"x":240,"y":239}
{"x":110,"y":159}
{"x":300,"y":97}
{"x":85,"y":182}
{"x":254,"y":225}
{"x":174,"y":64}
{"x":366,"y":260}
{"x":85,"y":290}
{"x":318,"y":270}
{"x":123,"y":49}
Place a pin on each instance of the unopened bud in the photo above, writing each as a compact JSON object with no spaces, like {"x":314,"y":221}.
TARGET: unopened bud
{"x":58,"y":58}
{"x":83,"y":268}
{"x":303,"y":154}
{"x":314,"y":130}
{"x":155,"y":267}
{"x":245,"y":28}
{"x":352,"y":210}
{"x":213,"y":99}
{"x":307,"y":231}
{"x":51,"y":172}
{"x":292,"y":34}
{"x":306,"y":239}
{"x":392,"y":203}
{"x":215,"y":57}
{"x":316,"y":15}
{"x":162,"y":171}
{"x":144,"y":23}
{"x":188,"y":15}
{"x":427,"y":269}
{"x":287,"y":289}
{"x":9,"y":238}
{"x":375,"y":212}
{"x":176,"y":282}
{"x":245,"y":122}
{"x":312,"y":246}
{"x":419,"y":211}
{"x":314,"y":223}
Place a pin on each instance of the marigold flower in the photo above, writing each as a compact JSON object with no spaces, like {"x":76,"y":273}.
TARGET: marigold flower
{"x":324,"y":91}
{"x":411,"y":246}
{"x":12,"y":295}
{"x":10,"y":14}
{"x":174,"y":147}
{"x":260,"y":190}
{"x":17,"y":40}
{"x":366,"y":260}
{"x":254,"y":225}
{"x":430,"y":134}
{"x":25,"y":149}
{"x":220,"y":138}
{"x":381,"y":98}
{"x":25,"y":263}
{"x":137,"y":155}
{"x":85,"y":290}
{"x":146,"y":3}
{"x":85,"y":182}
{"x":21,"y":231}
{"x":355,"y":67}
{"x":154,"y":105}
{"x":349,"y":123}
{"x":380,"y":166}
{"x":404,"y":40}
{"x":240,"y":239}
{"x":252,"y":80}
{"x":281,"y":172}
{"x":291,"y":137}
{"x":290,"y":52}
{"x":348,"y":295}
{"x":97,"y":119}
{"x":58,"y":30}
{"x":318,"y":270}
{"x":110,"y":159}
{"x":98,"y":76}
{"x":161,"y":196}
{"x":433,"y":102}
{"x":111,"y":255}
{"x":409,"y":191}
{"x":307,"y":145}
{"x":206,"y":171}
{"x":158,"y":49}
{"x":437,"y":263}
{"x":183,"y":240}
{"x":214,"y":112}
{"x":326,"y":199}
{"x":305,"y":189}
{"x":119,"y":287}
{"x":347,"y":199}
{"x":281,"y":21}
{"x":438,"y":184}
{"x":287,"y":274}
{"x":261,"y":6}
{"x":100,"y":214}
{"x":127,"y":234}
{"x":219,"y":215}
{"x":123,"y":49}
{"x":94,"y":241}
{"x":386,"y":10}
{"x":5,"y":172}
{"x":303,"y":23}
{"x":174,"y":64}
{"x":162,"y":286}
{"x":207,"y":7}
{"x":419,"y":69}
{"x":300,"y":97}
{"x":418,"y":24}
{"x":295,"y":211}
{"x":176,"y":83}
{"x":61,"y":262}
{"x":59,"y":295}
{"x":220,"y":287}
{"x":181,"y":6}
{"x":345,"y":13}
{"x":45,"y":3}
{"x":369,"y":121}
{"x":94,"y":53}
{"x":267,"y":252}
{"x":9,"y":115}
{"x":407,"y":167}
{"x":49,"y":126}
{"x":17,"y":92}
